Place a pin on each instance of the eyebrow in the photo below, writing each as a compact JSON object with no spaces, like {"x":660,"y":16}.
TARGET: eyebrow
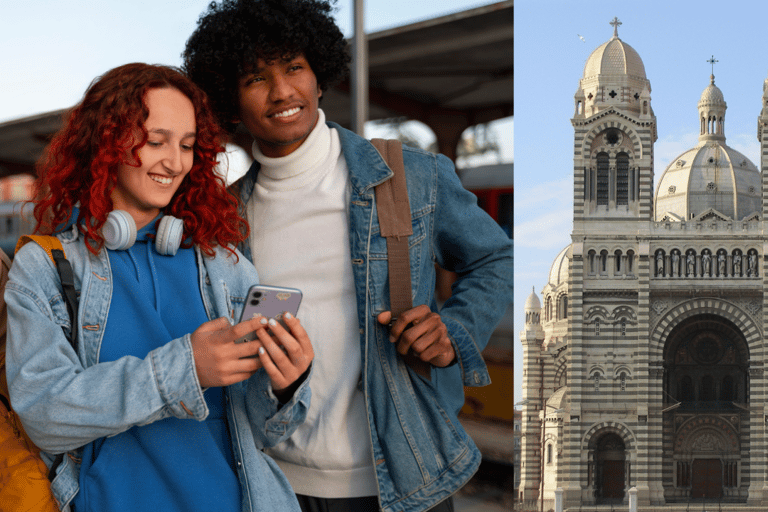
{"x":255,"y":69}
{"x":167,"y":133}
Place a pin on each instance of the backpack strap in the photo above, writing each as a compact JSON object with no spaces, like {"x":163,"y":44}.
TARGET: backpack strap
{"x":53,"y":248}
{"x":394,"y":212}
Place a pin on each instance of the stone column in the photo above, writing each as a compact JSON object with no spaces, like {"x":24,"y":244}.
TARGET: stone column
{"x":633,"y":500}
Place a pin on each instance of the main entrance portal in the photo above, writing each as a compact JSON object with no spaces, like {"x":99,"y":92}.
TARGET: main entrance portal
{"x":706,"y":388}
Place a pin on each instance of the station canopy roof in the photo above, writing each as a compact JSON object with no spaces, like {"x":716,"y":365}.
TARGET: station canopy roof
{"x":455,"y":69}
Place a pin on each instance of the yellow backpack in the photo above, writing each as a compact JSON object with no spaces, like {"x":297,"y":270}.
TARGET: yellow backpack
{"x":24,"y":477}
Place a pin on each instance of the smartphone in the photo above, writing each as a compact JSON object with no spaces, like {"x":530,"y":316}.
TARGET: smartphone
{"x":270,"y":302}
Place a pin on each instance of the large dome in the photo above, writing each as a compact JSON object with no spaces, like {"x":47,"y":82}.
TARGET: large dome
{"x":614,"y":77}
{"x":614,"y":58}
{"x":710,"y":176}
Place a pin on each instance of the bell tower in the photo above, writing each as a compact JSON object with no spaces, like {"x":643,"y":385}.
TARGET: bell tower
{"x":614,"y":132}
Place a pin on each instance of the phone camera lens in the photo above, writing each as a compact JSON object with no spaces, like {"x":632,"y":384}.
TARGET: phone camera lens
{"x":257,"y":294}
{"x":255,"y":302}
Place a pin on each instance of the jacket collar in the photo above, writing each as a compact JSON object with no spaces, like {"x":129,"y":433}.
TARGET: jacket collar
{"x":366,"y":166}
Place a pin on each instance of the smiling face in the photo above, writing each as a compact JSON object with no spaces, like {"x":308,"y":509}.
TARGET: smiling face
{"x":166,"y":158}
{"x":278,"y":104}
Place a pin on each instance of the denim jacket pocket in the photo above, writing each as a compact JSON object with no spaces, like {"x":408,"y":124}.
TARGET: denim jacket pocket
{"x":60,"y":314}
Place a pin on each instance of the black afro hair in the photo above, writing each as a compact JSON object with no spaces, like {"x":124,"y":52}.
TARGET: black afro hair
{"x":233,"y":35}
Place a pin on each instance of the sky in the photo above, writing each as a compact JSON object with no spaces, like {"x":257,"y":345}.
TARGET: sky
{"x":52,"y":50}
{"x":554,"y":38}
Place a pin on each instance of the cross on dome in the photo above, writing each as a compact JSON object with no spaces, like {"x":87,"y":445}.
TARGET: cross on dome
{"x":712,"y":61}
{"x":615,"y":22}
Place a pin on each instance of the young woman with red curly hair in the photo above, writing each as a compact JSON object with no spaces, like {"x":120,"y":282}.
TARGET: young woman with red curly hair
{"x":157,"y":408}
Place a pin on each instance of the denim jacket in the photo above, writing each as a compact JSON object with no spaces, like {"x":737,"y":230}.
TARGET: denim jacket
{"x":52,"y":387}
{"x":421,"y":454}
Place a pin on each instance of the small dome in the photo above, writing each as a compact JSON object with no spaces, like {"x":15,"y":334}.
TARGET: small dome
{"x":712,"y":95}
{"x":559,"y":272}
{"x":614,"y":58}
{"x":532,"y":302}
{"x":557,"y":400}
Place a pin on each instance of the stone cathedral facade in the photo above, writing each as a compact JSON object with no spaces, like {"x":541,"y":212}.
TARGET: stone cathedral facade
{"x":644,"y":356}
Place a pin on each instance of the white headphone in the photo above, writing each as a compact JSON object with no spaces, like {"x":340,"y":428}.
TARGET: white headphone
{"x":119,"y":233}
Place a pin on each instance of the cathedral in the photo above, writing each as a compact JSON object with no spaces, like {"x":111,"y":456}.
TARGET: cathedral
{"x":643,"y":358}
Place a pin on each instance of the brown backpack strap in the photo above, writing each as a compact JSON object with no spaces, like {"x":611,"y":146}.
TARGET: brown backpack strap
{"x":394,"y":211}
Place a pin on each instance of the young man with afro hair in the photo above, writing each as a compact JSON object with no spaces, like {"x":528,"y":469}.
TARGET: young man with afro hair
{"x":378,"y":436}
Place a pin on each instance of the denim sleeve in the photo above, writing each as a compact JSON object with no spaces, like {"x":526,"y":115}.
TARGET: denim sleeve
{"x":64,"y":405}
{"x":271,"y":422}
{"x":467,"y":241}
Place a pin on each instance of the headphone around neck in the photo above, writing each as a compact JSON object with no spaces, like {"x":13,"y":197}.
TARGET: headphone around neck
{"x":119,"y":233}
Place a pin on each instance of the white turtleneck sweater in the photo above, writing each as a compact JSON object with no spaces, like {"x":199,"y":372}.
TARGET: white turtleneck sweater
{"x":298,"y":215}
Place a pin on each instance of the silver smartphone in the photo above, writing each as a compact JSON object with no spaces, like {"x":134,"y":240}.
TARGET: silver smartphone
{"x":270,"y":302}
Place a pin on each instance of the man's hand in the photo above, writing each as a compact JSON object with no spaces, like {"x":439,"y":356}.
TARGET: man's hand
{"x":284,"y":355}
{"x":423,"y":332}
{"x":220,"y":361}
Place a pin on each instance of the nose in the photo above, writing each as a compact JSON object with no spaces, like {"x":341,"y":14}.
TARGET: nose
{"x":173,"y":161}
{"x":280,"y":88}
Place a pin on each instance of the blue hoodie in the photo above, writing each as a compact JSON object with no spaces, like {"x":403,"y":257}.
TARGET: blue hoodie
{"x":171,"y":464}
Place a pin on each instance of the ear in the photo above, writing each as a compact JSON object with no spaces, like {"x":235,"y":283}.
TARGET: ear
{"x":319,"y":92}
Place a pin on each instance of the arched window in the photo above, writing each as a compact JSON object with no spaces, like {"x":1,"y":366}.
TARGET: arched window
{"x":548,"y":309}
{"x":602,"y":179}
{"x":597,"y":326}
{"x":630,"y":261}
{"x":623,"y":326}
{"x":617,"y":260}
{"x":622,"y":179}
{"x":549,"y":453}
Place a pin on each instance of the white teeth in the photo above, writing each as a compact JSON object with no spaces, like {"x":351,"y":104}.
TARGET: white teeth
{"x":161,"y":180}
{"x":287,"y":112}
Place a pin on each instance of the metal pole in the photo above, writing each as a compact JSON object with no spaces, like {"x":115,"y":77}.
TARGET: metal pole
{"x":359,"y":71}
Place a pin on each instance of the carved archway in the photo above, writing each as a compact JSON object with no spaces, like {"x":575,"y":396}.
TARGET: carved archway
{"x":706,"y":395}
{"x":611,"y":453}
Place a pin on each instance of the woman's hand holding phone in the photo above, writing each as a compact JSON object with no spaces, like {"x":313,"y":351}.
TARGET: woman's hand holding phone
{"x":284,"y":355}
{"x":218,"y":360}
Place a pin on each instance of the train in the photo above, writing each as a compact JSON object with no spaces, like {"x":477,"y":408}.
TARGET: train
{"x":488,"y":414}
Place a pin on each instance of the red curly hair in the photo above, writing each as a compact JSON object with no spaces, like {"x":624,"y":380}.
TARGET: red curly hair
{"x":79,"y":168}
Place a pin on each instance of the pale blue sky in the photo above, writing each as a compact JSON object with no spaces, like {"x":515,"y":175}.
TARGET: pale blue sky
{"x":674,"y":40}
{"x":51,"y":50}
